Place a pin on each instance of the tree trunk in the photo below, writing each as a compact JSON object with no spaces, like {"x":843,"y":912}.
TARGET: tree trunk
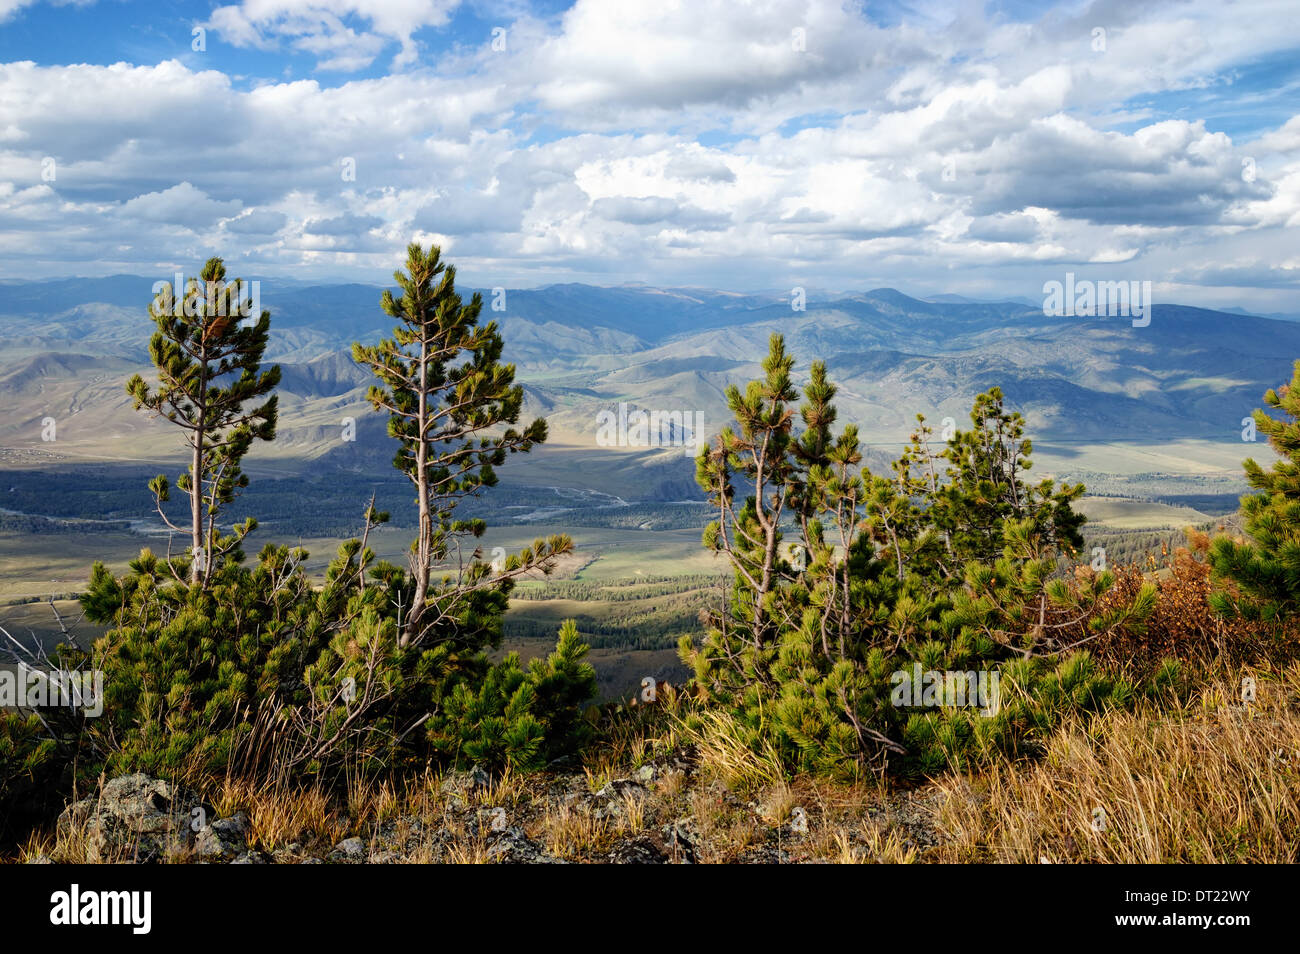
{"x":424,"y":543}
{"x":198,"y":570}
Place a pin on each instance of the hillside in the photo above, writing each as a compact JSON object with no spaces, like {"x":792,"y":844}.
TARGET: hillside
{"x":1101,"y":397}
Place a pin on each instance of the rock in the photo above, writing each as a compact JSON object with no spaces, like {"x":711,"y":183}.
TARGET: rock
{"x":403,"y":835}
{"x":385,"y":858}
{"x":223,"y":838}
{"x":39,"y":860}
{"x":485,"y":821}
{"x":617,"y":788}
{"x":512,"y":846}
{"x":647,"y":848}
{"x":645,"y":774}
{"x":679,"y":842}
{"x":250,"y":858}
{"x":132,"y":818}
{"x":349,"y":849}
{"x":289,"y":854}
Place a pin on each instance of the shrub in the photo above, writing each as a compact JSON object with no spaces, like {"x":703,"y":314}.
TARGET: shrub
{"x":521,"y":717}
{"x":1261,"y":577}
{"x":949,"y":565}
{"x":262,"y":667}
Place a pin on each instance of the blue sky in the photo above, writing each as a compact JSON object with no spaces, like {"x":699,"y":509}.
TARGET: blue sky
{"x":979,"y":149}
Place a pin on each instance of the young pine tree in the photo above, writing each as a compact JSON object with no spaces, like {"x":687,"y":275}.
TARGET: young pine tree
{"x":758,"y":458}
{"x":452,"y":405}
{"x":951,"y":565}
{"x":210,"y":382}
{"x":1265,"y":573}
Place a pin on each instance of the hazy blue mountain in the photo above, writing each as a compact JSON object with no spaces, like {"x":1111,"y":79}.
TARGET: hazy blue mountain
{"x":66,"y":346}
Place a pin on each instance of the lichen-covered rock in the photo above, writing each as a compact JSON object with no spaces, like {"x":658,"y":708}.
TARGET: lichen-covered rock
{"x":646,"y":848}
{"x":224,"y":838}
{"x":513,"y":846}
{"x":349,"y":850}
{"x":132,"y":818}
{"x":462,"y":784}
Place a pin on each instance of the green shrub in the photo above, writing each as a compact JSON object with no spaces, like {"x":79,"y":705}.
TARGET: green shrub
{"x":313,"y":679}
{"x":521,"y":717}
{"x":1261,"y":577}
{"x":843,"y":579}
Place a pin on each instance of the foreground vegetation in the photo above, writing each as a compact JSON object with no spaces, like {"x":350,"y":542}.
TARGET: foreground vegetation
{"x":1071,"y":690}
{"x":1207,"y":781}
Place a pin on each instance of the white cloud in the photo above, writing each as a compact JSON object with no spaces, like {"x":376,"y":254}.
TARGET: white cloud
{"x":674,"y":143}
{"x":182,"y":205}
{"x":317,"y":26}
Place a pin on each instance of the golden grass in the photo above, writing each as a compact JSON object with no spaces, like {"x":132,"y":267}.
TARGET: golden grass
{"x":573,"y":834}
{"x":1216,"y":783}
{"x":725,"y":755}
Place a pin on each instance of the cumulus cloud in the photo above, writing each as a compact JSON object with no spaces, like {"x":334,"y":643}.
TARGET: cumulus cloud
{"x":257,"y":222}
{"x":346,"y":224}
{"x":673,"y":142}
{"x":182,"y":205}
{"x":1004,"y":227}
{"x":320,"y":27}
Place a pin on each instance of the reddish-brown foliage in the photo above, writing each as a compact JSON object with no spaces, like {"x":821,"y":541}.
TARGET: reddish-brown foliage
{"x":1183,"y":626}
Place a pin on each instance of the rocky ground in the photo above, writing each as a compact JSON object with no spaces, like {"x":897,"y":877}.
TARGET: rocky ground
{"x":661,"y":813}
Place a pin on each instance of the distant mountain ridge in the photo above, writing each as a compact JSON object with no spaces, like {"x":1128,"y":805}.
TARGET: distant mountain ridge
{"x":1193,"y":373}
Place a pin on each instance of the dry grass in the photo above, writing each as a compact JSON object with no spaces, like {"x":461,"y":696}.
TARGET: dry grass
{"x":282,"y":813}
{"x":724,"y":754}
{"x":632,"y":821}
{"x":572,"y":834}
{"x":725,"y":832}
{"x":871,"y":843}
{"x":1218,"y":783}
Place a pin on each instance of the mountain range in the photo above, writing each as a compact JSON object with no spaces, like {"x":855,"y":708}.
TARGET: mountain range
{"x":1099,"y":395}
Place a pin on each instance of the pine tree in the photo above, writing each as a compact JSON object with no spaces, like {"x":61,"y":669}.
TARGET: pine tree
{"x":758,"y":458}
{"x":951,"y":564}
{"x":452,"y":405}
{"x":1264,"y":573}
{"x":983,"y":488}
{"x":209,"y":368}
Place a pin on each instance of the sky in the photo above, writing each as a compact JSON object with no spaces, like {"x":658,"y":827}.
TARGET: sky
{"x":980,"y":149}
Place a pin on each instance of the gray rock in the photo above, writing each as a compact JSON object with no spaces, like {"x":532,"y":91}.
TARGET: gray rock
{"x":647,"y":848}
{"x":680,"y":841}
{"x":349,"y":849}
{"x":223,"y":838}
{"x":132,"y":818}
{"x":512,"y":846}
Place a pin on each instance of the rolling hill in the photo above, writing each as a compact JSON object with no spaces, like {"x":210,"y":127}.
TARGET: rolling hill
{"x":1101,"y":396}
